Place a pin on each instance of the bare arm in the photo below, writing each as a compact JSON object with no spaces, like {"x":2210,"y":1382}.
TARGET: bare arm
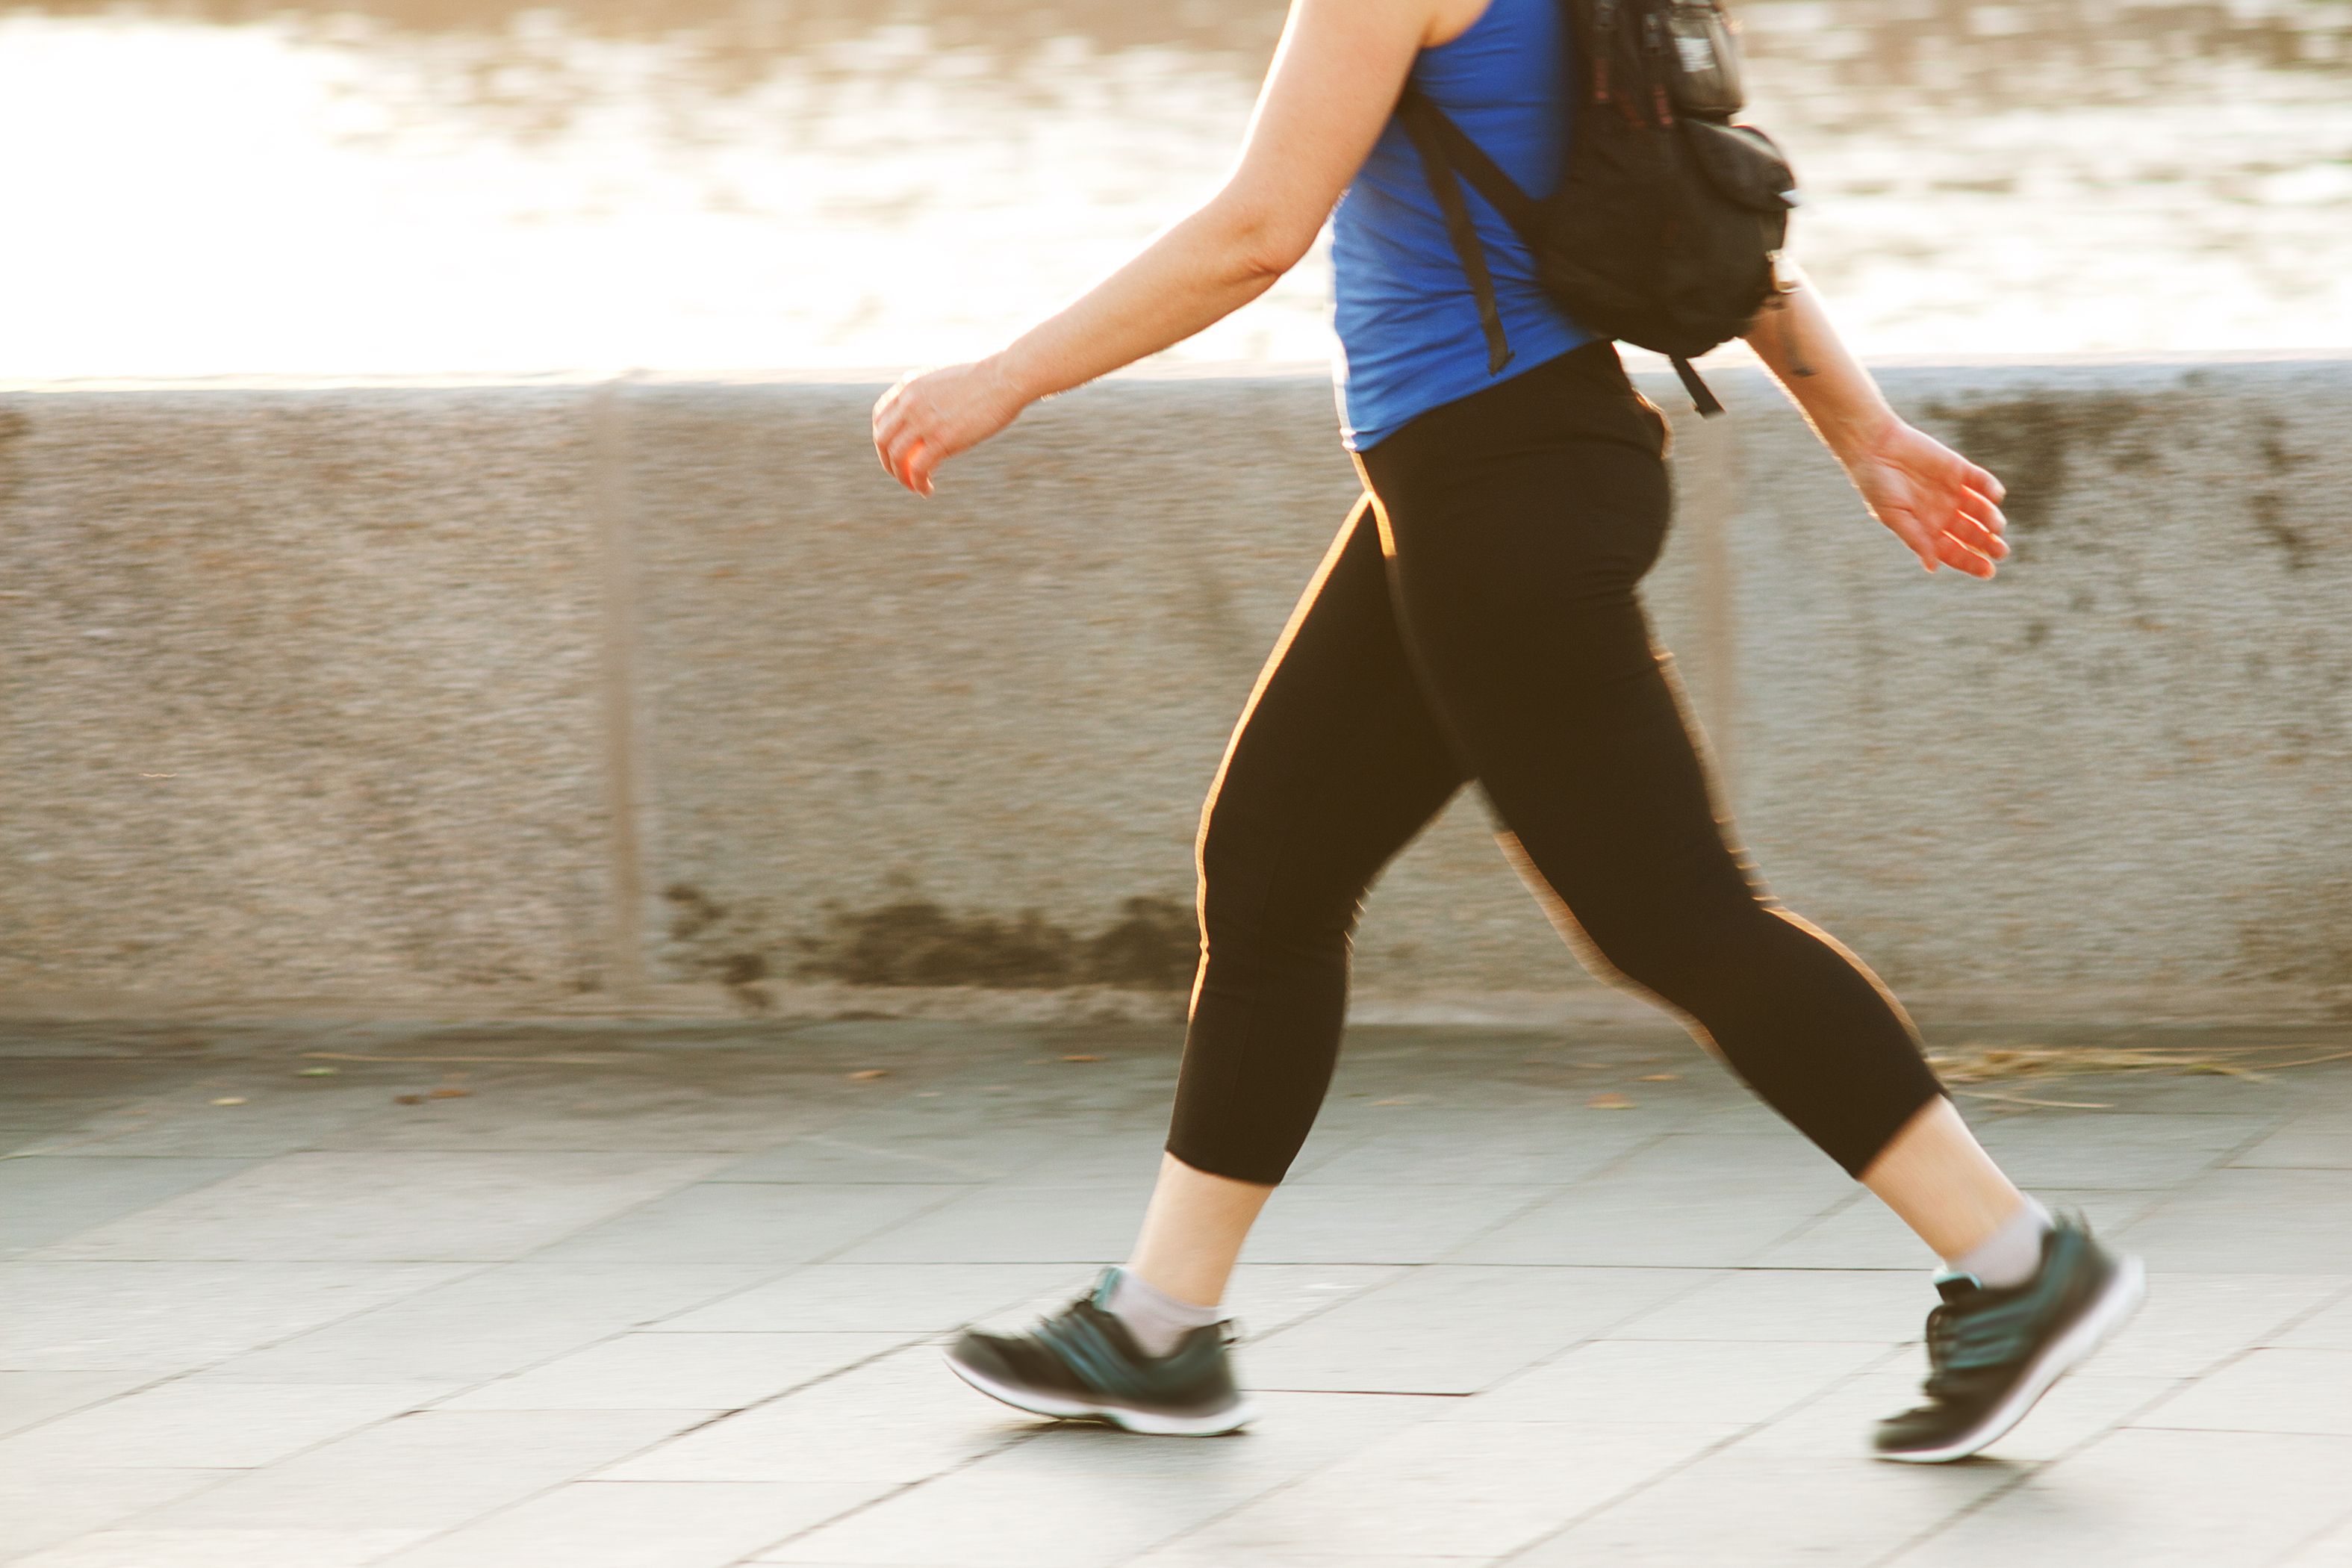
{"x":1944,"y":508}
{"x":1335,"y":79}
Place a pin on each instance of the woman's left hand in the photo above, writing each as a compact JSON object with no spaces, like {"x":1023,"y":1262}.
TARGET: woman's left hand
{"x":1943,"y":507}
{"x":932,"y":415}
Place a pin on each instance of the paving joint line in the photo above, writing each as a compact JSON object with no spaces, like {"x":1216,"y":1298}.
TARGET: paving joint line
{"x":1700,"y":1457}
{"x":1013,"y":1440}
{"x":1550,"y":1194}
{"x":2126,"y":1420}
{"x":648,"y":1447}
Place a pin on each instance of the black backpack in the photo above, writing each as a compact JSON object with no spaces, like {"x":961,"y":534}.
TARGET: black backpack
{"x":1667,"y":229}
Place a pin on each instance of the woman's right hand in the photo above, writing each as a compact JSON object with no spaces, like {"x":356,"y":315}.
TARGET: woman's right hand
{"x":1943,"y":507}
{"x":932,"y":415}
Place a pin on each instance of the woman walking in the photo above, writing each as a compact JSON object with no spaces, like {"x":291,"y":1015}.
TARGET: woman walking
{"x":1478,"y":620}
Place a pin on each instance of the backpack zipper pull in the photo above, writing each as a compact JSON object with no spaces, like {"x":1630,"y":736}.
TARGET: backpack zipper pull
{"x":1604,"y":22}
{"x":1653,"y":39}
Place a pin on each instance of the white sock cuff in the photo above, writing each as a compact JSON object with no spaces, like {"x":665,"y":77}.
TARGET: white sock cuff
{"x":1157,"y":1320}
{"x":2011,"y":1255}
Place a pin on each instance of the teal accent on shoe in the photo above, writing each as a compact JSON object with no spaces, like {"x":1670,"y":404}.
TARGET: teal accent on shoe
{"x":1993,"y":1353}
{"x":1083,"y":1362}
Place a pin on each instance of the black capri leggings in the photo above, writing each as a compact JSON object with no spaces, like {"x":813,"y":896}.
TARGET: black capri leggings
{"x":1479,"y":618}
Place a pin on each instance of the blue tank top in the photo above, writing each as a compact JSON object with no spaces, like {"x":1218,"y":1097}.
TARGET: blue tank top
{"x":1408,"y":333}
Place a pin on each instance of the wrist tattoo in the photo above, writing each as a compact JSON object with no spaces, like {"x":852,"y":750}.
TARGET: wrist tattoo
{"x":1788,"y":347}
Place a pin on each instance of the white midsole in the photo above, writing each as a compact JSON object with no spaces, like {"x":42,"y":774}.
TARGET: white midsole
{"x":1151,"y":1423}
{"x":2115,"y":1304}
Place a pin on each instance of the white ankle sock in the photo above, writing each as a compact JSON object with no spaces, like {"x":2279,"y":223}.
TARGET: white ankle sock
{"x":2010,"y":1256}
{"x":1157,"y":1320}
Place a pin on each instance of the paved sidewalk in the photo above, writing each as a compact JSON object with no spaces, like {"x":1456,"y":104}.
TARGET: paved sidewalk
{"x":590,"y":1298}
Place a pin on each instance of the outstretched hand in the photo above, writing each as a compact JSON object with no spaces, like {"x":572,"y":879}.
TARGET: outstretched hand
{"x":930,"y":415}
{"x":1932,"y":498}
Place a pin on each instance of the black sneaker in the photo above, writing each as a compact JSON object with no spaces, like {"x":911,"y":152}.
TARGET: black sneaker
{"x":1083,"y":1363}
{"x":1993,"y":1353}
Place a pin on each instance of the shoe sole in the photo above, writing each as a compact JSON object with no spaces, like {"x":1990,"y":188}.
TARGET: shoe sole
{"x":1151,"y":1423}
{"x":2110,"y":1311}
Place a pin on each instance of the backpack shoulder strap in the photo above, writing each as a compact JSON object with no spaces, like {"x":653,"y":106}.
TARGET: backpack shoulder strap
{"x":1702,"y":399}
{"x":1444,"y":150}
{"x":1432,"y":127}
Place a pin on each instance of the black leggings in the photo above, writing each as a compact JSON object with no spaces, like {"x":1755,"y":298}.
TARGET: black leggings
{"x":1479,"y":618}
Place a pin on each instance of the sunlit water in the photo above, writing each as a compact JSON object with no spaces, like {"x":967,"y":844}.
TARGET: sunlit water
{"x":766,"y":183}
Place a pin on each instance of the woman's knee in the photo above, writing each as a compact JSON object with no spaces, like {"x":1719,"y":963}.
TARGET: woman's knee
{"x":1259,"y":897}
{"x":1684,"y":953}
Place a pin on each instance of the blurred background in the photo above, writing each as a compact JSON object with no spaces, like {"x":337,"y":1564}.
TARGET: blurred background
{"x":480,"y":186}
{"x":607,"y":672}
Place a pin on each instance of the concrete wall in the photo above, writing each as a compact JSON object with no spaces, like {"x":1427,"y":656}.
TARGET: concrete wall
{"x":660,"y":698}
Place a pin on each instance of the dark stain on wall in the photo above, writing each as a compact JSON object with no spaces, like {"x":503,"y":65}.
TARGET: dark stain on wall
{"x":14,"y":425}
{"x":2033,"y":443}
{"x":1152,"y":946}
{"x":691,"y":911}
{"x":714,"y":949}
{"x":2303,"y":938}
{"x":2277,"y":456}
{"x":2274,"y":528}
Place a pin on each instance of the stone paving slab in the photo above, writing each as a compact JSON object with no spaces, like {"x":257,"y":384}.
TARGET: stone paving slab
{"x":2157,"y":1496}
{"x":492,"y":1323}
{"x":30,"y":1398}
{"x":226,"y":1549}
{"x":672,"y":1296}
{"x":169,"y":1318}
{"x":193,"y":1423}
{"x":447,"y":1207}
{"x":1408,"y":1337}
{"x":46,"y":1200}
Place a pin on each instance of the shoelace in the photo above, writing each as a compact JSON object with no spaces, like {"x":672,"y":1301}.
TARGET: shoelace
{"x":1077,"y":1339}
{"x":1057,"y":1328}
{"x":1958,"y":1343}
{"x":1939,"y":1350}
{"x":1072,"y":1335}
